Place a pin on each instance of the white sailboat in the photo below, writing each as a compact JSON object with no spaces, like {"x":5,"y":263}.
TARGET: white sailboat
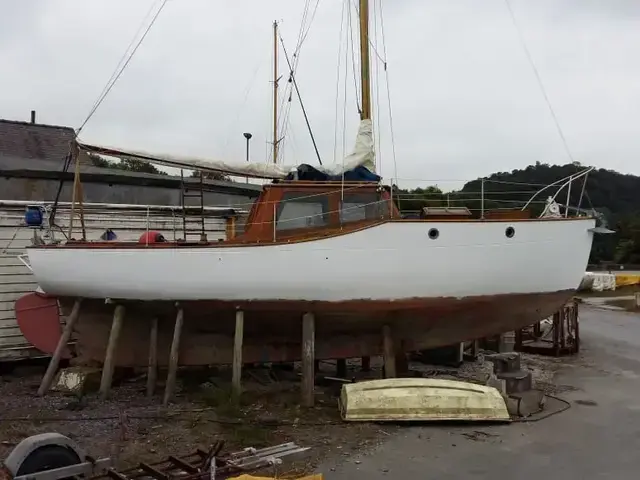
{"x":342,"y":250}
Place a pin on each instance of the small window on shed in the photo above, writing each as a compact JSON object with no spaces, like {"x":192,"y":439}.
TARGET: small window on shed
{"x":302,"y":210}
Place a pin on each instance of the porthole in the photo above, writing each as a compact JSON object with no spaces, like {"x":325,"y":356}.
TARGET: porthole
{"x":434,"y":233}
{"x":510,"y":232}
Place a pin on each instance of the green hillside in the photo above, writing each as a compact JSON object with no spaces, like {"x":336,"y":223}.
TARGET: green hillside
{"x":615,"y":195}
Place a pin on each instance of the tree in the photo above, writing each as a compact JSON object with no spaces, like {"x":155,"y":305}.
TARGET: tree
{"x":615,"y":196}
{"x":127,"y":164}
{"x":211,"y":175}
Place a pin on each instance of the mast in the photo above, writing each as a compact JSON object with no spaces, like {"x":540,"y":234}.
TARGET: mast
{"x":275,"y":92}
{"x":365,"y":78}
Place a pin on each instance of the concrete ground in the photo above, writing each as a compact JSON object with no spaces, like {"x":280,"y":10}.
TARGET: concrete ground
{"x":598,"y":437}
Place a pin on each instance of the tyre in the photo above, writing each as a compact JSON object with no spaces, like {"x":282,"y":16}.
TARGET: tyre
{"x":48,"y":458}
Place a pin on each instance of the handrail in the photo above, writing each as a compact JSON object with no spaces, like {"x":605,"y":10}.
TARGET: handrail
{"x":223,"y":211}
{"x":570,"y":178}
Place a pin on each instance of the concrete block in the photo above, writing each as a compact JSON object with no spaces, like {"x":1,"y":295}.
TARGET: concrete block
{"x":77,"y":381}
{"x":507,"y":342}
{"x":504,"y":362}
{"x":498,"y":384}
{"x":517,"y":382}
{"x":525,"y":404}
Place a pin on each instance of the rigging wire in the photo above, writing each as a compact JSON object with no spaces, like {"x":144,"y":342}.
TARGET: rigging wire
{"x":247,"y":91}
{"x":346,"y":81}
{"x":292,"y":62}
{"x":304,"y":112}
{"x":122,"y":66}
{"x":539,"y":79}
{"x":386,"y":73}
{"x":335,"y":123}
{"x":377,"y":132}
{"x":353,"y":57}
{"x":304,"y":37}
{"x":124,"y":55}
{"x":286,"y":101}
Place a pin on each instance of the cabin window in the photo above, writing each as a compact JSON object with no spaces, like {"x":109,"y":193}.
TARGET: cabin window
{"x":362,"y":206}
{"x":302,"y":210}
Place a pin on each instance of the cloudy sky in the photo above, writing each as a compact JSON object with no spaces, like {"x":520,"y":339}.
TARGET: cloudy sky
{"x":464,"y":98}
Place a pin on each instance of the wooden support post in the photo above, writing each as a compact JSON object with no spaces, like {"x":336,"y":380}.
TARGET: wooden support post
{"x":76,"y":196}
{"x":341,"y":368}
{"x":236,"y":376}
{"x":366,"y":364}
{"x":112,"y":348}
{"x":173,"y":358}
{"x":152,"y":368}
{"x":308,"y":357}
{"x":230,"y":228}
{"x":81,"y":210}
{"x":62,"y":343}
{"x":556,"y":334}
{"x":402,"y":364}
{"x":475,"y":348}
{"x":389,"y":353}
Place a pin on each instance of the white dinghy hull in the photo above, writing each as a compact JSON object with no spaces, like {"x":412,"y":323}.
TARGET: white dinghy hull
{"x":421,"y":399}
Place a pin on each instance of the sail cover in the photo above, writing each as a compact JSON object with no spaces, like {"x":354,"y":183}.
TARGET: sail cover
{"x":362,"y":157}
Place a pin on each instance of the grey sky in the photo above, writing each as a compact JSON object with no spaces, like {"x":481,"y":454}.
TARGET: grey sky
{"x":465,"y":100}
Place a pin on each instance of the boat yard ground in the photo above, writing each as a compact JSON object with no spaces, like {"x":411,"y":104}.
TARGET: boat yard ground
{"x":595,"y":438}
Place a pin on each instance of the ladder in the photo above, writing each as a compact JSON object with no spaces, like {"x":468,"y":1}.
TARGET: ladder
{"x":186,"y":192}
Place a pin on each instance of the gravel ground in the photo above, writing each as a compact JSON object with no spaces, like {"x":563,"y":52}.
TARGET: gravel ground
{"x":130,"y":427}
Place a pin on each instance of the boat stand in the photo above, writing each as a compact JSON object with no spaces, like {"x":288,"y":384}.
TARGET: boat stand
{"x":152,"y":367}
{"x":52,"y":368}
{"x":389,"y":353}
{"x":394,"y":358}
{"x":112,"y":349}
{"x":561,"y":337}
{"x":236,"y":375}
{"x":172,"y":374}
{"x":308,"y":359}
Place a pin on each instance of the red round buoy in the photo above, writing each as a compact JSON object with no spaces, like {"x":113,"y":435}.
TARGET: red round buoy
{"x":151,"y":237}
{"x":38,"y":317}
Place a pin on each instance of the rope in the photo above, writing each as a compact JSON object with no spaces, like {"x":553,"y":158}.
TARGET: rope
{"x":304,"y":112}
{"x":335,"y":123}
{"x":247,"y":91}
{"x":377,"y":132}
{"x":386,"y":73}
{"x":565,"y":407}
{"x":124,"y":55}
{"x":284,"y":123}
{"x":115,"y":76}
{"x":5,"y":249}
{"x":539,"y":79}
{"x":351,"y":44}
{"x":304,"y":36}
{"x":346,"y":75}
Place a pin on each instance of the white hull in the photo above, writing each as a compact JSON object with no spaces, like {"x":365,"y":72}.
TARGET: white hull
{"x":391,"y":261}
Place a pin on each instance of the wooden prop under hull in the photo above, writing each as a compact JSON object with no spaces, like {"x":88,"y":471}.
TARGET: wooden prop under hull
{"x":273,"y":335}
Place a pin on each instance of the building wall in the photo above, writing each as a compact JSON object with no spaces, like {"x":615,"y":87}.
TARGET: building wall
{"x":16,"y":279}
{"x":38,"y":180}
